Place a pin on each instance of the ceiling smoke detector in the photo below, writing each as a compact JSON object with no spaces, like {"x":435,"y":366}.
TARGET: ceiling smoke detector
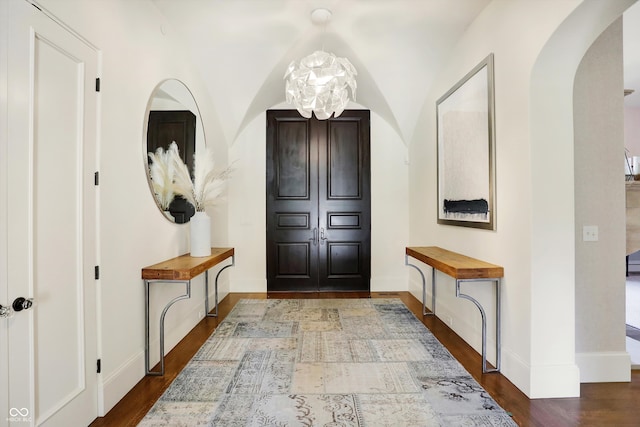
{"x":320,"y":16}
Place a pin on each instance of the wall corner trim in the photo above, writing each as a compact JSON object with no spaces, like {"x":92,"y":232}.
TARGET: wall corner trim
{"x":604,"y":366}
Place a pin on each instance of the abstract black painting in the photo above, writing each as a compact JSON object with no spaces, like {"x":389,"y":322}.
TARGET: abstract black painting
{"x":466,"y":150}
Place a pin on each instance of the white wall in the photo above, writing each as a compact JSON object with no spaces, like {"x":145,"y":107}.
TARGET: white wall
{"x":389,"y":207}
{"x":600,"y":201}
{"x":534,"y":239}
{"x":494,"y":31}
{"x":553,"y":257}
{"x":138,"y":50}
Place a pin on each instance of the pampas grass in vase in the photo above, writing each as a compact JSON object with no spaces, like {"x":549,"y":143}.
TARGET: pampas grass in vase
{"x":161,"y":171}
{"x":203,"y":191}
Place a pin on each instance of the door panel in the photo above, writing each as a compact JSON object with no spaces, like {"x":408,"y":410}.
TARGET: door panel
{"x":292,"y":158}
{"x":318,"y":202}
{"x":293,"y":260}
{"x":56,"y":289}
{"x":52,"y":238}
{"x":344,"y":161}
{"x":291,"y":211}
{"x":345,"y":203}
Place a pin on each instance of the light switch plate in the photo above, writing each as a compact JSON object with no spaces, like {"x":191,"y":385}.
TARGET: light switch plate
{"x":590,"y":233}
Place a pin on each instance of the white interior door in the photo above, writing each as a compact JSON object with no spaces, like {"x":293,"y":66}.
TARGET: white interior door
{"x":4,"y":342}
{"x":51,"y":217}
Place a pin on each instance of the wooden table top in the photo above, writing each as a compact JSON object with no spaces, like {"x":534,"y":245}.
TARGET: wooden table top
{"x":185,"y":267}
{"x":454,"y":264}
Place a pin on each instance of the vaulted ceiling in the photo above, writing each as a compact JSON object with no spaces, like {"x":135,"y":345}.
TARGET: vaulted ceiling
{"x":243,"y":47}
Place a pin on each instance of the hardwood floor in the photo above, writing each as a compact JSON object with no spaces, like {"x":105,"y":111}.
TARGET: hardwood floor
{"x":602,"y":404}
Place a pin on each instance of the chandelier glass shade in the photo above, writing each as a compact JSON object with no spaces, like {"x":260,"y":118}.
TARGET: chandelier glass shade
{"x":320,"y":84}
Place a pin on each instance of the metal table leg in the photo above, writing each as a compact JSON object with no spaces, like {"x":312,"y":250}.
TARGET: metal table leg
{"x":206,"y":288}
{"x":424,"y":289}
{"x":187,"y":295}
{"x":146,"y":326}
{"x":484,"y":321}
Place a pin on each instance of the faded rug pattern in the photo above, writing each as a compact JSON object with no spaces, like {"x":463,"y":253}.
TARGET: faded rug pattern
{"x":324,"y":362}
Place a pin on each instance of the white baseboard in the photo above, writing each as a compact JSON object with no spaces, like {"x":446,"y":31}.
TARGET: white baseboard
{"x":468,"y":332}
{"x":378,"y":284}
{"x":389,"y":284}
{"x":118,"y":383}
{"x":121,"y":380}
{"x":538,"y":382}
{"x":248,"y":285}
{"x":415,"y":289}
{"x":554,"y":381}
{"x":516,"y":370}
{"x":600,"y":367}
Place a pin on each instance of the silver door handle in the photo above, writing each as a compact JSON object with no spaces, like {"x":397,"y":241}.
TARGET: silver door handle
{"x":322,"y":238}
{"x":19,"y":304}
{"x":314,"y":239}
{"x":5,"y":311}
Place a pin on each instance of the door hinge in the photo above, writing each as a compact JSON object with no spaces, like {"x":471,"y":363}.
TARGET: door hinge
{"x":99,"y":366}
{"x":96,"y":271}
{"x":97,"y":84}
{"x":96,"y":178}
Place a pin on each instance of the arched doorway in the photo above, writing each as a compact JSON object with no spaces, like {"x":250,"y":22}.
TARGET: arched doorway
{"x":554,"y":254}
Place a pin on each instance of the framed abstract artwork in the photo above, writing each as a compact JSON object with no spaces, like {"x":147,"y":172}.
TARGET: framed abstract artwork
{"x":466,"y":150}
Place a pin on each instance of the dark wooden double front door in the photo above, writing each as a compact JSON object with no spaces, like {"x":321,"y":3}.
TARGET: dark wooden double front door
{"x":318,"y":202}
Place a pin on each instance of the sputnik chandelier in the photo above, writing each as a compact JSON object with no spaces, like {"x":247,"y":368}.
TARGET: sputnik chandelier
{"x":320,"y":83}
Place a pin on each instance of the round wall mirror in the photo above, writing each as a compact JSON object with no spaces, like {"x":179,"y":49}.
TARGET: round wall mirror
{"x":172,"y":116}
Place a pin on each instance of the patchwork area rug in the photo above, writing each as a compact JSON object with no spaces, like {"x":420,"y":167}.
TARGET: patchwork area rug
{"x":324,"y":362}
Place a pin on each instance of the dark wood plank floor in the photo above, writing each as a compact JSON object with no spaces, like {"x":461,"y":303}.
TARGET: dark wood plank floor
{"x":608,"y":404}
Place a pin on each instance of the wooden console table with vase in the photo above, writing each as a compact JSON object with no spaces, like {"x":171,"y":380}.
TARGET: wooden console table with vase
{"x":181,"y":270}
{"x":463,"y":269}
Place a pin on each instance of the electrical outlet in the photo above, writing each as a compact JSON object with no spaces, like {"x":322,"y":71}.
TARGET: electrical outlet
{"x":449,"y":321}
{"x":590,"y":233}
{"x":200,"y":314}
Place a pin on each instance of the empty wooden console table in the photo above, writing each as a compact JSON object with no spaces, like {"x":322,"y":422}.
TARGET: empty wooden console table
{"x":181,"y":270}
{"x":463,"y":269}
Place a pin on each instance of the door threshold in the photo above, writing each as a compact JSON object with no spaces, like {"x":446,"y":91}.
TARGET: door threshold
{"x":317,"y":294}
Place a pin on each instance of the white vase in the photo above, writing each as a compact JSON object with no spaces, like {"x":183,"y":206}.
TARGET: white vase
{"x":200,"y":229}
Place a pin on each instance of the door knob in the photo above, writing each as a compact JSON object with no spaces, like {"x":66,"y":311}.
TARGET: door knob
{"x":322,"y":238}
{"x":20,"y":304}
{"x":314,"y":239}
{"x":5,"y":311}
